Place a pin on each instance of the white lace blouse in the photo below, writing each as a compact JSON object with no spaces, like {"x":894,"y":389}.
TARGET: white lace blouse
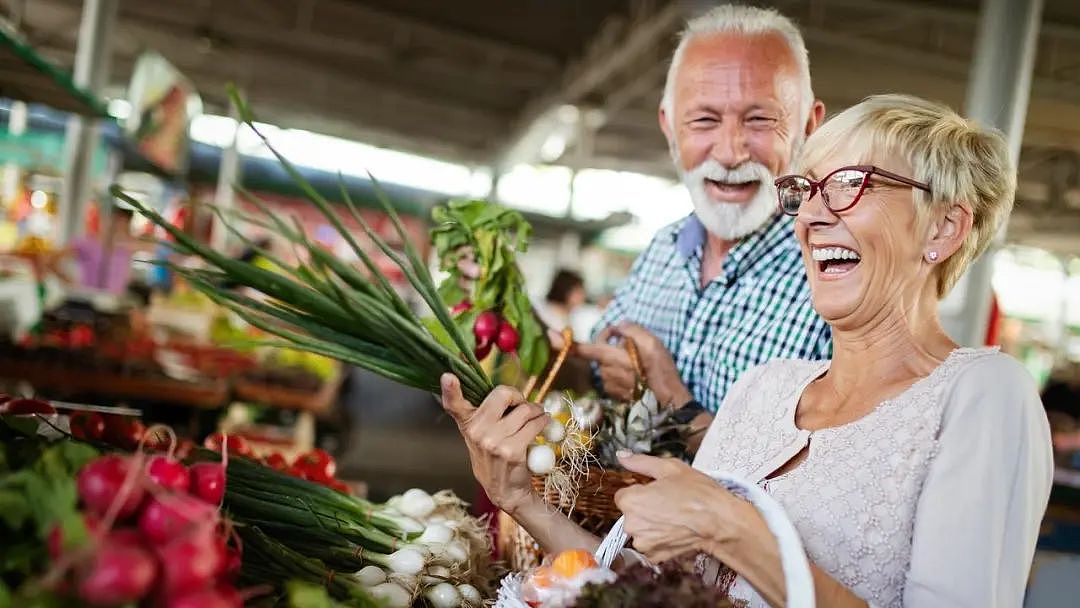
{"x":933,"y":499}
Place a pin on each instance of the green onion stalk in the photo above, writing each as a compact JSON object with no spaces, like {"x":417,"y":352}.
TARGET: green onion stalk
{"x":266,"y":559}
{"x":325,"y":306}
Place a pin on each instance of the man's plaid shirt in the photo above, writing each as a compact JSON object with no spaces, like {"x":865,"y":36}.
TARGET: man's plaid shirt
{"x":756,"y":310}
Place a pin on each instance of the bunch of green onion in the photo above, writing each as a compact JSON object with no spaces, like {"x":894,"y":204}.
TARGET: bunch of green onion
{"x":395,"y":553}
{"x":325,"y":306}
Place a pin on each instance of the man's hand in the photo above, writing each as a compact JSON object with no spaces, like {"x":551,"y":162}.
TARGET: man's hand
{"x":659,"y":367}
{"x":498,"y":441}
{"x":616,"y":372}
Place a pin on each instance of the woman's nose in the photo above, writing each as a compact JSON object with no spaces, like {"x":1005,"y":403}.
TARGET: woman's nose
{"x":814,"y":211}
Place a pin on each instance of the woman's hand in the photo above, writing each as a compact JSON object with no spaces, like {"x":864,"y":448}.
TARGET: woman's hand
{"x":682,"y":511}
{"x":498,"y":444}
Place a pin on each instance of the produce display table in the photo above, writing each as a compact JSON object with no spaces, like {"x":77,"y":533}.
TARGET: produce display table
{"x":67,"y":380}
{"x":321,"y":401}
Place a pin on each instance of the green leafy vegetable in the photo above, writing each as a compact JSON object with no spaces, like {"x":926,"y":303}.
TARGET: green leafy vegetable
{"x":489,"y":235}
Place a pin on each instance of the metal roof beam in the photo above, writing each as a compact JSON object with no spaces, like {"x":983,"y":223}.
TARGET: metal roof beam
{"x":607,"y":56}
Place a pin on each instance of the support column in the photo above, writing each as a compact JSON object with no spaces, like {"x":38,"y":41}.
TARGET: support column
{"x":228,"y":175}
{"x":91,"y":74}
{"x":997,"y":96}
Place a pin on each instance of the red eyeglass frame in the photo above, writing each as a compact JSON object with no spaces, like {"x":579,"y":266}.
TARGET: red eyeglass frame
{"x":868,"y":170}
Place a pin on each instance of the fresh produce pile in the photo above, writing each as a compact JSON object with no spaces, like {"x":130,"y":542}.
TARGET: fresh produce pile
{"x":414,"y":548}
{"x":125,"y":530}
{"x":123,"y":432}
{"x":325,"y":306}
{"x":573,"y":579}
{"x":476,"y":242}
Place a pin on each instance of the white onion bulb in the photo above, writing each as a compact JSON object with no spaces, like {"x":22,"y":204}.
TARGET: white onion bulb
{"x":443,"y":595}
{"x":470,"y":595}
{"x":554,"y":432}
{"x":417,"y":503}
{"x":436,"y":534}
{"x":369,"y":576}
{"x":406,"y":561}
{"x":394,"y":595}
{"x":456,"y":552}
{"x":541,"y":459}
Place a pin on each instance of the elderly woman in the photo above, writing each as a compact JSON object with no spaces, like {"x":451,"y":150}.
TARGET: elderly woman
{"x":916,"y":472}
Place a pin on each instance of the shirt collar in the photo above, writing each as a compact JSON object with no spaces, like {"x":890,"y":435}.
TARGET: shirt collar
{"x":690,"y":241}
{"x":690,"y":237}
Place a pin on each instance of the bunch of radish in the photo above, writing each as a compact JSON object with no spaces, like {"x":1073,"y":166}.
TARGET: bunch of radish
{"x":156,"y":536}
{"x":491,"y":330}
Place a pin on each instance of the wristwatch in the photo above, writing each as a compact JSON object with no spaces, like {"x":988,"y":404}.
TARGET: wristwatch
{"x":687,"y":413}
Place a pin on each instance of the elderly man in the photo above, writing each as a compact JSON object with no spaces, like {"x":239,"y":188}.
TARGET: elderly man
{"x":723,"y":289}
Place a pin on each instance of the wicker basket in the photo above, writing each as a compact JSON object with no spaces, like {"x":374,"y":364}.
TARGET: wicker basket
{"x":594,"y":506}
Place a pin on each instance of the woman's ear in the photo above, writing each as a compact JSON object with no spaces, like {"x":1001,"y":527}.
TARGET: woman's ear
{"x":948,"y":232}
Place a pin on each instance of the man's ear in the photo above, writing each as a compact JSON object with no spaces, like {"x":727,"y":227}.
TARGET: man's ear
{"x":948,"y":232}
{"x":817,"y":116}
{"x":665,"y":123}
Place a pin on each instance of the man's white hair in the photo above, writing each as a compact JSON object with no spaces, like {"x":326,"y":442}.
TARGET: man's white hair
{"x":750,"y":21}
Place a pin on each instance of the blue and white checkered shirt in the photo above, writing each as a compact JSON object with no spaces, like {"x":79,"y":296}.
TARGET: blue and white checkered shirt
{"x":756,"y":310}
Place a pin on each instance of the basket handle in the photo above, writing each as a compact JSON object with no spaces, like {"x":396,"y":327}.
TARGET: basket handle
{"x":796,"y":567}
{"x":639,"y":371}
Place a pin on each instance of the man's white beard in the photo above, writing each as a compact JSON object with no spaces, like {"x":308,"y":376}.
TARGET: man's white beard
{"x":731,"y":221}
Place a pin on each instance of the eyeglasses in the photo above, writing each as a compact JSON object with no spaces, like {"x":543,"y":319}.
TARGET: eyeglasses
{"x":840,"y":190}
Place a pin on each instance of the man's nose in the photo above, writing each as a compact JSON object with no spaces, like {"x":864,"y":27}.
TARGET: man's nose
{"x":730,"y":148}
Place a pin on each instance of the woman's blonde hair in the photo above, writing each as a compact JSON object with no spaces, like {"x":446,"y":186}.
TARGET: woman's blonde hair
{"x":962,"y":161}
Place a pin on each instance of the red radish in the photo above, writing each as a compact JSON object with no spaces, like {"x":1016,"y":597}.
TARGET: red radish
{"x":87,"y":426}
{"x":486,"y":326}
{"x":220,"y":597}
{"x":100,"y":482}
{"x":28,"y":406}
{"x":128,"y":536}
{"x":167,"y":517}
{"x":233,"y":563}
{"x":208,"y":481}
{"x":340,"y":486}
{"x":191,"y":561}
{"x":168,"y":474}
{"x":55,"y":541}
{"x":134,"y":435}
{"x":508,"y":338}
{"x":119,"y":574}
{"x":184,"y":448}
{"x":462,"y":306}
{"x":277,"y":461}
{"x":123,"y":431}
{"x":482,"y":351}
{"x":319,"y":464}
{"x":237,"y":445}
{"x":4,"y":398}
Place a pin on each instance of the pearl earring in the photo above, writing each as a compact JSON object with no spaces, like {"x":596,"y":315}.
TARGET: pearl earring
{"x":932,"y":256}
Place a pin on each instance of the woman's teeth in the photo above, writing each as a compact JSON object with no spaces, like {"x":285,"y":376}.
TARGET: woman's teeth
{"x":835,"y":260}
{"x":827,"y":254}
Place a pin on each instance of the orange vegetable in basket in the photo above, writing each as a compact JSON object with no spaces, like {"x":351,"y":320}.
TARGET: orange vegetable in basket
{"x":542,"y":577}
{"x":569,"y":564}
